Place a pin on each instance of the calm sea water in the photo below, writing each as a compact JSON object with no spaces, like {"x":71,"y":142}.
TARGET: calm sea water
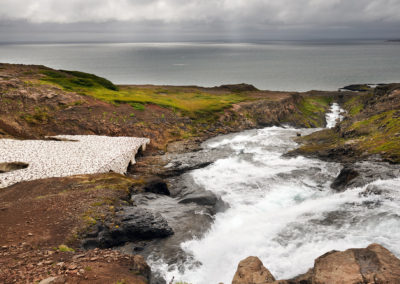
{"x":293,"y":66}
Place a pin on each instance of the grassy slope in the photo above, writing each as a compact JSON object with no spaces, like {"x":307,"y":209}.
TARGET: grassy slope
{"x":314,"y":108}
{"x":191,"y":102}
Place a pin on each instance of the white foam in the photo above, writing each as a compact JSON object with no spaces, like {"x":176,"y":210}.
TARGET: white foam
{"x":335,"y":114}
{"x":282,"y":210}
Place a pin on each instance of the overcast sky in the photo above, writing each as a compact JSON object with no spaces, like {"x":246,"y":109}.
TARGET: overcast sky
{"x":171,"y":20}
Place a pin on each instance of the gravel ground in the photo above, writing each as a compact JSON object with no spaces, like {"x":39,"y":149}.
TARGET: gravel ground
{"x":85,"y":154}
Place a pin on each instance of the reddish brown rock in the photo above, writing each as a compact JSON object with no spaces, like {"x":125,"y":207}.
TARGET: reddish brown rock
{"x":373,"y":264}
{"x":252,"y":271}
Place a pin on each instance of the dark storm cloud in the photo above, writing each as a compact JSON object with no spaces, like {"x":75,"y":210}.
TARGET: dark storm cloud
{"x":153,"y":19}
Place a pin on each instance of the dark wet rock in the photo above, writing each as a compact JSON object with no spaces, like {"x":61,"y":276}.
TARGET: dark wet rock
{"x":357,"y":88}
{"x":238,"y":88}
{"x":156,"y":185}
{"x":186,"y":191}
{"x":205,"y":197}
{"x":143,"y":224}
{"x":131,"y":224}
{"x":362,"y":173}
{"x":180,"y":168}
{"x":344,"y":178}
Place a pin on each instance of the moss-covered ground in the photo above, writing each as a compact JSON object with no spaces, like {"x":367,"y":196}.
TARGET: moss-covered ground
{"x":191,"y":101}
{"x":372,"y":126}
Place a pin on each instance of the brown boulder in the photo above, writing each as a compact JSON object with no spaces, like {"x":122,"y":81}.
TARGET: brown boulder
{"x":373,"y":264}
{"x":252,"y":271}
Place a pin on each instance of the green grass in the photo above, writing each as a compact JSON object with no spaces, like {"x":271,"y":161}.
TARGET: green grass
{"x":77,"y":81}
{"x":378,"y":134}
{"x":65,"y":248}
{"x":138,"y":106}
{"x":313,"y":109}
{"x":356,"y":104}
{"x":190,"y":101}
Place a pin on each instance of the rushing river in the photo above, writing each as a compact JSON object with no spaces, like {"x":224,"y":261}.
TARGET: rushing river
{"x":282,"y":210}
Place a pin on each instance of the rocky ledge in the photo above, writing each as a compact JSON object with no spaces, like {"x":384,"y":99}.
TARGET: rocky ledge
{"x":374,"y":264}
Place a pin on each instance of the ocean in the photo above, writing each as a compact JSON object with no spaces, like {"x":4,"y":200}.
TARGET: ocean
{"x":286,"y":66}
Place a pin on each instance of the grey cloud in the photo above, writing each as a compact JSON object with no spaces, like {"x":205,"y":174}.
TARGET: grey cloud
{"x":286,"y":12}
{"x":197,"y":19}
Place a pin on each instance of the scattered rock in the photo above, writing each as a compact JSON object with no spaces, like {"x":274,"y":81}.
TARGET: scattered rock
{"x":252,"y":271}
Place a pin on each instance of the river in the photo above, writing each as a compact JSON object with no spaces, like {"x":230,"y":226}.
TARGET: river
{"x":281,"y":209}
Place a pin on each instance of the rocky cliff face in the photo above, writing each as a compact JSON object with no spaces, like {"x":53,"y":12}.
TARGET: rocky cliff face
{"x":374,"y":264}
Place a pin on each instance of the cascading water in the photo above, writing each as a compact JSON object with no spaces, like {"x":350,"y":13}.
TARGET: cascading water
{"x":282,"y":209}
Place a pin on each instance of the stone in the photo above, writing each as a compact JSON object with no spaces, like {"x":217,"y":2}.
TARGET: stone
{"x":252,"y":271}
{"x":373,"y":264}
{"x":205,"y":197}
{"x":53,"y":280}
{"x":144,"y":224}
{"x":135,"y":224}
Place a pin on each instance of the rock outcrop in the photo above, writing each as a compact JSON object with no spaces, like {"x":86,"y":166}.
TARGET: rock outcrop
{"x":362,"y":173}
{"x":374,"y":264}
{"x":252,"y":271}
{"x":131,"y":224}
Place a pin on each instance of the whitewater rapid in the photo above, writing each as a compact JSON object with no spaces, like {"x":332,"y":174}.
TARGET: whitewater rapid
{"x":282,"y":209}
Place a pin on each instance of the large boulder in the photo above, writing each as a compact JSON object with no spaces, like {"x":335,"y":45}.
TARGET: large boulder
{"x":373,"y":264}
{"x":133,"y":224}
{"x":252,"y":271}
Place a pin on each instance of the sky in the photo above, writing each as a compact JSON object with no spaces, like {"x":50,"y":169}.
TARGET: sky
{"x":196,"y":20}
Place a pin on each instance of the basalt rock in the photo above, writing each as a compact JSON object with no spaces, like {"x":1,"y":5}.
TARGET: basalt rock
{"x":131,"y":224}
